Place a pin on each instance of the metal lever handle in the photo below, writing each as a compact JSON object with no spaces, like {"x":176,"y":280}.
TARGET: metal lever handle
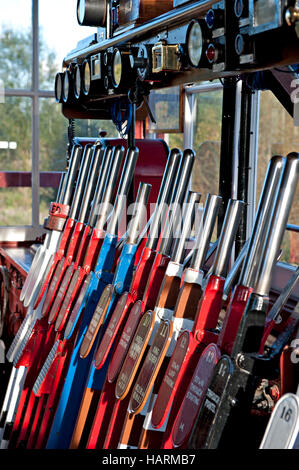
{"x":232,"y":275}
{"x":123,"y":189}
{"x":227,"y":236}
{"x":81,"y":182}
{"x":91,"y":181}
{"x":163,"y":198}
{"x":187,"y":221}
{"x":283,"y":297}
{"x":278,"y":223}
{"x":261,"y":223}
{"x":62,"y":185}
{"x":202,"y":243}
{"x":139,"y":211}
{"x":106,"y":166}
{"x":177,"y":199}
{"x":118,"y":154}
{"x":72,"y":174}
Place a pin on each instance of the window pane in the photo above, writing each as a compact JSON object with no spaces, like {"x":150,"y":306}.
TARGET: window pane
{"x":53,"y":145}
{"x":207,"y":140}
{"x":59,"y":34}
{"x":15,"y":44}
{"x":15,"y":134}
{"x":92,"y":127}
{"x":290,"y":247}
{"x":15,"y":156}
{"x":53,"y":136}
{"x":15,"y":206}
{"x":278,"y":136}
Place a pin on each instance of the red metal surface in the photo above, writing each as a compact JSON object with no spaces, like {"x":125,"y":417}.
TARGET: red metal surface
{"x":195,"y":393}
{"x":150,"y":292}
{"x":124,"y":304}
{"x":16,"y":179}
{"x":233,"y":317}
{"x":155,"y":154}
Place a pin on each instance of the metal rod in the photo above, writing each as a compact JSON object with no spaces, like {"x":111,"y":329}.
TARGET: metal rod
{"x":81,"y":182}
{"x":90,"y":184}
{"x":278,"y":224}
{"x":292,"y":228}
{"x":118,"y":152}
{"x":202,"y":243}
{"x":234,"y":271}
{"x":123,"y":189}
{"x":203,"y":88}
{"x":101,"y":183}
{"x":163,"y":198}
{"x":29,"y":93}
{"x":178,"y":197}
{"x":243,"y":163}
{"x":187,"y":221}
{"x":128,"y":170}
{"x":227,"y":236}
{"x":139,"y":212}
{"x":72,"y":173}
{"x":283,"y":297}
{"x":262,"y":219}
{"x":61,"y":188}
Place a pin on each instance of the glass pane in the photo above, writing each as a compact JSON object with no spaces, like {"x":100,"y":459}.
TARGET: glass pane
{"x":92,"y":127}
{"x":15,"y":206}
{"x":15,"y":44}
{"x":59,"y":34}
{"x":53,"y":145}
{"x":15,"y":134}
{"x":290,"y":247}
{"x":165,"y":105}
{"x":278,"y":136}
{"x":53,"y":136}
{"x":206,"y":144}
{"x":15,"y":156}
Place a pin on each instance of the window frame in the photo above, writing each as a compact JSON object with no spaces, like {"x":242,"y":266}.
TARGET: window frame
{"x":30,"y":232}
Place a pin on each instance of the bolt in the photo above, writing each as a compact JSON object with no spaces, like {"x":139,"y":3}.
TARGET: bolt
{"x":233,"y":402}
{"x":241,"y":360}
{"x":274,"y":392}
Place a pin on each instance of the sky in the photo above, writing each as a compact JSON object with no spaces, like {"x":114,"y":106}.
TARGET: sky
{"x":57,"y":19}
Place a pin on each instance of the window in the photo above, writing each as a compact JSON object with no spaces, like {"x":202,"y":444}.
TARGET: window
{"x":33,"y":131}
{"x":278,"y":136}
{"x":202,"y":133}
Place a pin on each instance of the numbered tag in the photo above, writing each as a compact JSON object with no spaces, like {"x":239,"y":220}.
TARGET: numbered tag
{"x":111,"y":331}
{"x":96,"y":321}
{"x":282,"y":431}
{"x":63,"y":311}
{"x":60,"y":294}
{"x":170,"y":378}
{"x":52,"y":286}
{"x":195,"y":393}
{"x":208,"y":410}
{"x":134,"y":356}
{"x":127,"y":335}
{"x":150,"y":368}
{"x":74,"y":315}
